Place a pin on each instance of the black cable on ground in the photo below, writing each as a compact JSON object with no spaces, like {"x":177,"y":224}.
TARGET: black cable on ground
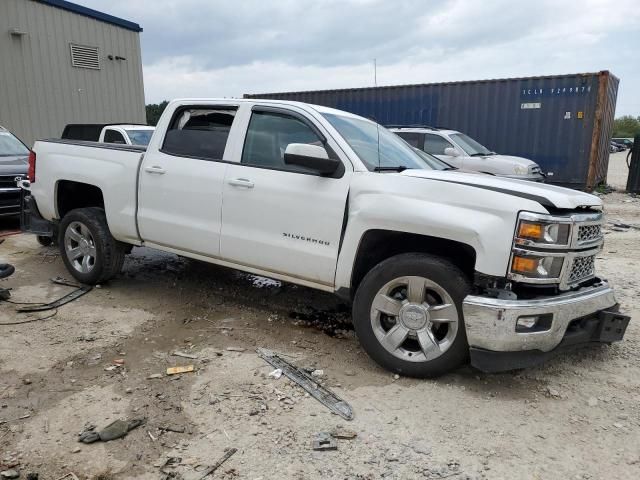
{"x":30,"y":320}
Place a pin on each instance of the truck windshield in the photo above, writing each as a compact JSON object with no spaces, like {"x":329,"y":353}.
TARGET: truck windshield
{"x":387,"y":153}
{"x":140,"y":137}
{"x":10,"y":146}
{"x":470,"y":146}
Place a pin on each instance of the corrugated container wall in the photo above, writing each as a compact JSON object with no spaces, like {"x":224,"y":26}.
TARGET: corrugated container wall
{"x":40,"y":90}
{"x":562,"y":122}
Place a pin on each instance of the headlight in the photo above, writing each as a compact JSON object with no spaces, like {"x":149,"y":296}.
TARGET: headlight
{"x":536,"y":266}
{"x":519,"y":170}
{"x":542,"y":230}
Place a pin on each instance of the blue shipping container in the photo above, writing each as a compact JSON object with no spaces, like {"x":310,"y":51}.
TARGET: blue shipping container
{"x":562,"y":122}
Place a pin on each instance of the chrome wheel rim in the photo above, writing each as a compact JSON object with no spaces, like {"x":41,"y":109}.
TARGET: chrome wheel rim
{"x":414,"y":319}
{"x":80,"y":247}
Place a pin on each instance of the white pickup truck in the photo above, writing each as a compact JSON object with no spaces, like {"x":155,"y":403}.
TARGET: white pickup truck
{"x":440,"y":265}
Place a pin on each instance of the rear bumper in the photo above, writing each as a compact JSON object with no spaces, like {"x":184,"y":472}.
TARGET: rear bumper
{"x":30,"y":219}
{"x":588,"y":315}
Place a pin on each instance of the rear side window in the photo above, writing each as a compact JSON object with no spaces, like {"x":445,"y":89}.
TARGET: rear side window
{"x":435,"y":144}
{"x":268,"y":136}
{"x":411,"y":138}
{"x":199,"y":132}
{"x":113,"y":136}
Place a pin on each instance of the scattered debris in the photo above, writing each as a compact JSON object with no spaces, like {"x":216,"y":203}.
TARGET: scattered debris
{"x":70,"y":475}
{"x":11,"y":473}
{"x":64,"y":281}
{"x":277,"y":373}
{"x":317,"y":373}
{"x":171,"y":462}
{"x":180,"y":369}
{"x":111,"y":368}
{"x":153,"y":439}
{"x":219,"y":463}
{"x":114,"y":430}
{"x":118,"y":361}
{"x":334,"y":322}
{"x":26,"y":381}
{"x":154,"y":376}
{"x":343,"y":433}
{"x":304,"y":380}
{"x":552,"y":392}
{"x":172,"y":428}
{"x":236,"y":349}
{"x":57,"y":303}
{"x":184,"y":355}
{"x":324,"y":441}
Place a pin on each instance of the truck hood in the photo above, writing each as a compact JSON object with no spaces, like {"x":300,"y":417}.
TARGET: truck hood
{"x":546,"y":195}
{"x":13,"y":165}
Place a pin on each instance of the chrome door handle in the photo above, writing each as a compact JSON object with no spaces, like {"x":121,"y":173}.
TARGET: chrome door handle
{"x":241,"y":182}
{"x":155,"y":169}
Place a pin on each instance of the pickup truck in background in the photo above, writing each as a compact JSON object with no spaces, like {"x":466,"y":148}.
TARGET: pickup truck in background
{"x":120,"y":133}
{"x":439,"y":265}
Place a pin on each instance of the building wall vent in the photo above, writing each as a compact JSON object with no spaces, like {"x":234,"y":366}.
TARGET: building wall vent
{"x":83,"y":56}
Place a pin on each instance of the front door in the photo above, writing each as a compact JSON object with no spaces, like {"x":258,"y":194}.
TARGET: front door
{"x":277,"y":217}
{"x":180,"y":188}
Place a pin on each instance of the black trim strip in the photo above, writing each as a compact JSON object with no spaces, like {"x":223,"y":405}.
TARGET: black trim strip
{"x":109,"y":146}
{"x":545,"y":202}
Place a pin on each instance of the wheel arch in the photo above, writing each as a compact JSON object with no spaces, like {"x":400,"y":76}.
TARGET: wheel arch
{"x":377,"y":245}
{"x":71,"y":194}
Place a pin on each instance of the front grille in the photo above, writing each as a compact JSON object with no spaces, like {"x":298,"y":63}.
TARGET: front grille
{"x":582,"y":268}
{"x":9,"y":181}
{"x":587,"y":233}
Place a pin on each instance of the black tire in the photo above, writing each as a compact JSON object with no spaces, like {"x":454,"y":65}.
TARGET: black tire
{"x":436,"y":269}
{"x":109,"y":252}
{"x":45,"y":241}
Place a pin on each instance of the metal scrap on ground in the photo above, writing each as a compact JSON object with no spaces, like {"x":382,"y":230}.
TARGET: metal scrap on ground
{"x":57,"y":303}
{"x":219,"y":463}
{"x":302,"y":378}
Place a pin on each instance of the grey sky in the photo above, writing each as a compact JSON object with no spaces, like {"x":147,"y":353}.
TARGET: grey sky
{"x":212,"y":48}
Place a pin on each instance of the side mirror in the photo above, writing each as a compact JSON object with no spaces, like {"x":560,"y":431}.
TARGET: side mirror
{"x":313,"y":157}
{"x":451,"y":152}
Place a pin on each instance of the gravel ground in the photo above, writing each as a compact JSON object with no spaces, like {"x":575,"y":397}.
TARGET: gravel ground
{"x":576,"y":417}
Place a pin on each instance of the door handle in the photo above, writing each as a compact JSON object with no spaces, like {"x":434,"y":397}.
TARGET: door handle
{"x":155,"y":169}
{"x":241,"y":182}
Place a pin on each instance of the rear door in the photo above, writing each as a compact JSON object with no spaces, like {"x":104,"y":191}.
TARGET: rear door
{"x":181,"y":179}
{"x":282,"y":218}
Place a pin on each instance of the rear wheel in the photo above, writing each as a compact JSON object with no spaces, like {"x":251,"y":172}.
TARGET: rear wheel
{"x":408,"y":315}
{"x":88,"y":250}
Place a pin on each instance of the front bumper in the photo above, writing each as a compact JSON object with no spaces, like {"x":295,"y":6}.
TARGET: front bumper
{"x":491,"y":326}
{"x":9,"y":202}
{"x":534,"y":177}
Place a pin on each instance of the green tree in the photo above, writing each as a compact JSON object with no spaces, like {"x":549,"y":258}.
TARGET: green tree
{"x":154,"y":110}
{"x":626,"y":127}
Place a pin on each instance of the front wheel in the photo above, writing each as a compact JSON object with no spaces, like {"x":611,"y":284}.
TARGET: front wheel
{"x":407,"y":315}
{"x":87,"y":248}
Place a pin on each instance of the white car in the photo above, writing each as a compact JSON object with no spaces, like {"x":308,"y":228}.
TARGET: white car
{"x":439,"y":264}
{"x":464,"y":152}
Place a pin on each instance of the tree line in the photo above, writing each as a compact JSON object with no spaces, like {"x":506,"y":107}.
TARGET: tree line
{"x":626,"y":127}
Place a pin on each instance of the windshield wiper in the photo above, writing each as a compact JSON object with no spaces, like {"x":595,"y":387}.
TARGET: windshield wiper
{"x":398,"y":168}
{"x":479,"y":154}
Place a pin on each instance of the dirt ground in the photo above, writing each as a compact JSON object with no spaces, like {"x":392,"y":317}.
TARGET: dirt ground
{"x":576,"y":417}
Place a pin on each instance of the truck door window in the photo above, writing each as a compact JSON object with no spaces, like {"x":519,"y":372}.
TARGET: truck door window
{"x":435,"y":144}
{"x":113,"y":136}
{"x":199,"y":132}
{"x":411,"y":138}
{"x":268,"y":136}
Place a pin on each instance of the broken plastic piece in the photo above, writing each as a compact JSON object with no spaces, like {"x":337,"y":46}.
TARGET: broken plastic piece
{"x":183,"y":369}
{"x":302,"y":378}
{"x":114,"y":430}
{"x":324,"y":441}
{"x":277,"y":373}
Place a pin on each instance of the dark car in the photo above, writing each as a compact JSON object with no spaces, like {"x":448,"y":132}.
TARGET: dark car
{"x":14,"y":160}
{"x":625,"y":142}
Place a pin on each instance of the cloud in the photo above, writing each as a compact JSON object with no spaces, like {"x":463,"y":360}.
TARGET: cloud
{"x":217,"y":48}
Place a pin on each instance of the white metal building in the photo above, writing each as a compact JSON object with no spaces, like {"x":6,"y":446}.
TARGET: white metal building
{"x":64,"y":63}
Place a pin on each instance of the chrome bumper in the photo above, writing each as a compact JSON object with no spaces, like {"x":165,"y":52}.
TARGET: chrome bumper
{"x":491,"y":322}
